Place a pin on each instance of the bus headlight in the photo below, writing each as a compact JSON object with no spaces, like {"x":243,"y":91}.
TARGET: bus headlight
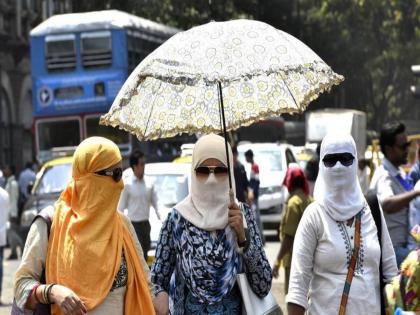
{"x":28,"y":216}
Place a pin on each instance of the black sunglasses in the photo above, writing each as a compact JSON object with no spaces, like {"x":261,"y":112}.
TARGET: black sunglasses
{"x":216,"y":170}
{"x":403,"y":146}
{"x":345,"y":159}
{"x":115,"y":173}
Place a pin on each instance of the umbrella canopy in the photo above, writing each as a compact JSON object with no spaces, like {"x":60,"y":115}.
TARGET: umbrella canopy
{"x":262,"y":72}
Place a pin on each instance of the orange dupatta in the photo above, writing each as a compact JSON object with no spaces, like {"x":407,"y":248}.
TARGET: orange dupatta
{"x":88,"y":235}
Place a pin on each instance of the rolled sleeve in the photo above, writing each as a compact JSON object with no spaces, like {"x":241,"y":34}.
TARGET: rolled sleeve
{"x":304,"y":246}
{"x":34,"y":256}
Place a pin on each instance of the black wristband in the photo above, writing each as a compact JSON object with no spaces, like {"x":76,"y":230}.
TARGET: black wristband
{"x":49,"y":292}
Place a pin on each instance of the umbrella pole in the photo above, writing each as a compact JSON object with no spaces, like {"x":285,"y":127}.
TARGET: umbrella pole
{"x":222,"y":108}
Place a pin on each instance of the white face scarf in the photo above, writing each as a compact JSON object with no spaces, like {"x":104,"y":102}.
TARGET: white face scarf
{"x":206,"y":206}
{"x":337,"y":188}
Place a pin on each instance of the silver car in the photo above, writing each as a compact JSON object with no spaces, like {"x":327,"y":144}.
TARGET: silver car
{"x":272,"y":159}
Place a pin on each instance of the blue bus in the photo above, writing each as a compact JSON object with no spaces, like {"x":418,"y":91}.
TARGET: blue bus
{"x":79,"y":63}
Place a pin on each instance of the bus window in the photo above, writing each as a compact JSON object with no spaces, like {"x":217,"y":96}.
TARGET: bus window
{"x":139,"y":46}
{"x":96,"y":49}
{"x":60,"y":53}
{"x":58,"y":133}
{"x":93,"y":128}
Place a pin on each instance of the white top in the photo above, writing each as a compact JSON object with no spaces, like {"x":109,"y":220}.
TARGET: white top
{"x":4,"y":214}
{"x":321,"y":254}
{"x":137,"y":197}
{"x":385,"y":184}
{"x":12,"y":189}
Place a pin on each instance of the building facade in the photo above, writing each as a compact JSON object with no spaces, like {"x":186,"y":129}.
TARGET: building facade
{"x":17,"y":18}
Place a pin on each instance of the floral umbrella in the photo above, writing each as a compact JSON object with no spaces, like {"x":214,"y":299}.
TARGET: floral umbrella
{"x":219,"y":76}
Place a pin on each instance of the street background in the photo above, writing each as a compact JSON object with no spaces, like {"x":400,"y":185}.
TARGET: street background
{"x":10,"y":266}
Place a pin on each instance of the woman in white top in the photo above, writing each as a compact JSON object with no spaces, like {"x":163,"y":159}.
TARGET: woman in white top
{"x":324,"y":241}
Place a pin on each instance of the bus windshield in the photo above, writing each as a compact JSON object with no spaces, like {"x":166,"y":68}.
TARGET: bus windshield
{"x":96,"y":49}
{"x":58,"y":133}
{"x":93,"y":128}
{"x":60,"y":53}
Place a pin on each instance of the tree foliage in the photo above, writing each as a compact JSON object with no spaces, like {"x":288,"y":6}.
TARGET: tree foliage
{"x":372,"y":43}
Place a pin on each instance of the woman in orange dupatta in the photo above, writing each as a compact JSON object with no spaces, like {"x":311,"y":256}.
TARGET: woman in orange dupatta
{"x":94,"y":263}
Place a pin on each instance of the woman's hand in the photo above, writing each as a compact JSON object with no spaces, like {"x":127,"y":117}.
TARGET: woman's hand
{"x":161,"y":303}
{"x":236,"y":221}
{"x":68,"y":302}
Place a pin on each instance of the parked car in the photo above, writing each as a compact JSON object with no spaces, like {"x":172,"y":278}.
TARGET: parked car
{"x":51,"y":180}
{"x":171,"y":182}
{"x":272,"y":159}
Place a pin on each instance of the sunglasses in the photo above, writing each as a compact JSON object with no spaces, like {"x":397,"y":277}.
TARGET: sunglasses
{"x":116,"y":173}
{"x":346,"y":159}
{"x":403,"y":146}
{"x":216,"y":170}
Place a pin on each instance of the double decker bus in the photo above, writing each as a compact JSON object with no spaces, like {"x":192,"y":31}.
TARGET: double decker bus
{"x":79,"y":63}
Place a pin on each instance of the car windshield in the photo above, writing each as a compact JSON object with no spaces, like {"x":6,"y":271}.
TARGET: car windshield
{"x":170,"y":189}
{"x":268,"y":161}
{"x":54,"y":179}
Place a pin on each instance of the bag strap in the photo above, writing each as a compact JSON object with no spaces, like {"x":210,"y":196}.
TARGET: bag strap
{"x":373,"y":203}
{"x":352,"y":266}
{"x":45,"y":215}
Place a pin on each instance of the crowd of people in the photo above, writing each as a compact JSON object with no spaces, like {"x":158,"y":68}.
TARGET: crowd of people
{"x":342,"y":252}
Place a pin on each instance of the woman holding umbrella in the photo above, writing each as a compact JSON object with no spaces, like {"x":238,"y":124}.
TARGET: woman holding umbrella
{"x":206,"y":241}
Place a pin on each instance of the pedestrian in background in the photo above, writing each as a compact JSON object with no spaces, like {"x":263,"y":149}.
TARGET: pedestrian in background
{"x":12,"y":188}
{"x":297,"y":185}
{"x":92,"y":260}
{"x":203,"y":244}
{"x":393,"y":188}
{"x":138,"y":196}
{"x":414,"y":219}
{"x":4,"y":214}
{"x":26,"y":178}
{"x":311,"y":169}
{"x":254,"y":182}
{"x":244,"y":192}
{"x":336,"y":252}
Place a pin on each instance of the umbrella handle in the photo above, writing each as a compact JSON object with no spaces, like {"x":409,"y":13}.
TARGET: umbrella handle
{"x":231,"y":196}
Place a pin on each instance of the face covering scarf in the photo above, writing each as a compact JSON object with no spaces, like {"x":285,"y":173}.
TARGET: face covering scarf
{"x":206,"y":206}
{"x":88,"y":236}
{"x":337,"y":188}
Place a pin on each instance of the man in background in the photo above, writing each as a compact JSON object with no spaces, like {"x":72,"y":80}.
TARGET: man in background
{"x":137,"y":197}
{"x":4,"y":213}
{"x":12,"y":189}
{"x":393,"y":188}
{"x":254,"y":182}
{"x":244,"y":192}
{"x":26,"y":178}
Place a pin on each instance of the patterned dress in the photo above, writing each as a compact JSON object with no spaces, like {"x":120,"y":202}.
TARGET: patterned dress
{"x":198,"y":268}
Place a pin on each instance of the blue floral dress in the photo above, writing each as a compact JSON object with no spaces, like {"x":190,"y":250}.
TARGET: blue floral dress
{"x":198,"y":268}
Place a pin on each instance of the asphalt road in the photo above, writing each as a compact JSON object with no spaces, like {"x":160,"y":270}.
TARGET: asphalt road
{"x":10,"y":267}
